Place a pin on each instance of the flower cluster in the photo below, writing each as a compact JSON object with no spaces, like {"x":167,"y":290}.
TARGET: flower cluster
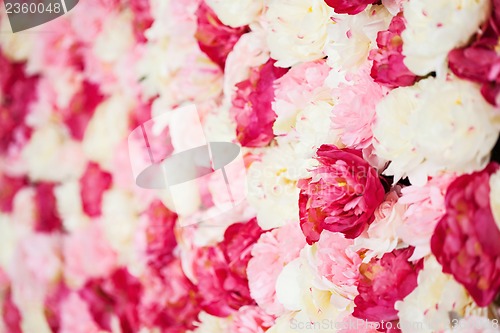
{"x":367,"y":187}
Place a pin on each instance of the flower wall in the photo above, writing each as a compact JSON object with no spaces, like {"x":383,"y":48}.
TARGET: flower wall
{"x":369,"y":182}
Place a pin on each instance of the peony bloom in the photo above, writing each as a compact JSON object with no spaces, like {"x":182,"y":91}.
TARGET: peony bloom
{"x":381,"y":236}
{"x":465,"y":241}
{"x":425,"y":207}
{"x":296,"y":30}
{"x":435,"y":27}
{"x":214,"y":38}
{"x":93,"y":183}
{"x":388,"y":67}
{"x":341,"y":196}
{"x":220,"y":270}
{"x":353,"y":113}
{"x":421,"y":128}
{"x":383,"y":282}
{"x":236,"y":13}
{"x":270,"y":254}
{"x":252,"y":106}
{"x":338,"y":263}
{"x":250,"y":319}
{"x":350,"y":7}
{"x":479,"y":61}
{"x":116,"y":296}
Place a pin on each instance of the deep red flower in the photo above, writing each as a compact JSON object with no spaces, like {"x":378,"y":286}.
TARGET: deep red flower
{"x":116,"y":295}
{"x":350,"y":7}
{"x":466,"y":240}
{"x":9,"y":187}
{"x":93,"y":183}
{"x":252,"y":108}
{"x":81,"y":109}
{"x":341,"y":196}
{"x":215,"y":38}
{"x":47,"y":218}
{"x":383,"y":282}
{"x":221,"y":270}
{"x":388,"y":67}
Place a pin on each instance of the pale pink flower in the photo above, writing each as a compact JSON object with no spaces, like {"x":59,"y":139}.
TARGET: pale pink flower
{"x":251,"y":319}
{"x":338,"y":262}
{"x":425,"y":209}
{"x":75,"y":316}
{"x":270,"y":254}
{"x":87,"y":254}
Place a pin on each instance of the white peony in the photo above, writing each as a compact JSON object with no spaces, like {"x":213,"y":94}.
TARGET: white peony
{"x":236,"y":13}
{"x":51,"y":155}
{"x":495,"y":196}
{"x":272,"y":186}
{"x":430,"y":303}
{"x":297,"y":30}
{"x":353,"y":36}
{"x":435,"y":27}
{"x":107,"y":128}
{"x":433,"y":127}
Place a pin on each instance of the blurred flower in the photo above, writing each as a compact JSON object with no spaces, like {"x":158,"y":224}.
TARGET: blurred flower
{"x":93,"y":183}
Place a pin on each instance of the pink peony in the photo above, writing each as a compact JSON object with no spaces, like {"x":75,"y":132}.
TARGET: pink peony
{"x":170,"y":301}
{"x":383,"y":282}
{"x":87,"y":254}
{"x":425,"y":207}
{"x":221,"y":270}
{"x":78,"y":113}
{"x":388,"y":67}
{"x":465,"y":241}
{"x":117,"y":295}
{"x":215,"y":38}
{"x":17,"y":92}
{"x":270,"y":254}
{"x":251,"y":319}
{"x":252,"y":105}
{"x":354,"y":110}
{"x":10,"y":186}
{"x":93,"y":183}
{"x":480,"y":62}
{"x":350,"y":7}
{"x":341,"y":196}
{"x":160,"y":237}
{"x":338,"y":263}
{"x":47,"y":217}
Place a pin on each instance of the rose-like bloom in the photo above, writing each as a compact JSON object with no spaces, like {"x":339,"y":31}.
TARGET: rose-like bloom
{"x":296,"y":30}
{"x":250,"y":319}
{"x":421,"y":128}
{"x":351,"y":38}
{"x":341,"y":196}
{"x":270,"y":254}
{"x":431,"y":302}
{"x":465,"y":241}
{"x":479,"y":61}
{"x":115,"y":296}
{"x":252,"y":105}
{"x":435,"y":27}
{"x":425,"y":207}
{"x":302,"y":85}
{"x":353,"y":113}
{"x":383,"y":282}
{"x":93,"y":183}
{"x":350,"y":7}
{"x":220,"y":270}
{"x":388,"y":66}
{"x":214,"y":38}
{"x":17,"y":92}
{"x":236,"y":13}
{"x":381,"y":236}
{"x":338,"y":263}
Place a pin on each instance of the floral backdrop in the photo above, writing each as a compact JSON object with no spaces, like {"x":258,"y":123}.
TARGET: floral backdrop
{"x":368,"y":134}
